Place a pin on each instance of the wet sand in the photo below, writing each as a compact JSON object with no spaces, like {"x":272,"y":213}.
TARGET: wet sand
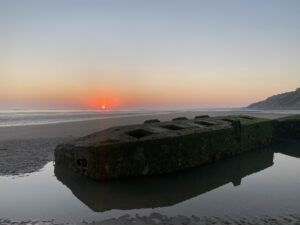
{"x":76,"y":129}
{"x":26,"y":149}
{"x":158,"y":219}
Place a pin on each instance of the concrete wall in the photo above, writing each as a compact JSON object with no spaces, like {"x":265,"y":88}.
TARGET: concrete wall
{"x":288,"y":127}
{"x":164,"y":155}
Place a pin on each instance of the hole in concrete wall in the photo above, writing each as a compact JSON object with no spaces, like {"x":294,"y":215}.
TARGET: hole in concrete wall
{"x":152,"y":121}
{"x":140,"y":133}
{"x":180,"y":119}
{"x":172,"y":127}
{"x":82,"y":162}
{"x":205,"y":123}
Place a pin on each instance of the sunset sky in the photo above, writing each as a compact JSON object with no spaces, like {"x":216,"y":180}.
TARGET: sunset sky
{"x":155,"y":53}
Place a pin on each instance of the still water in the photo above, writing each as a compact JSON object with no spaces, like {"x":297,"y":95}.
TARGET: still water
{"x":261,"y":182}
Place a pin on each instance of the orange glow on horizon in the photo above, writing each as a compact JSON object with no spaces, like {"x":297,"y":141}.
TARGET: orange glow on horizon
{"x":113,"y":96}
{"x":102,"y":101}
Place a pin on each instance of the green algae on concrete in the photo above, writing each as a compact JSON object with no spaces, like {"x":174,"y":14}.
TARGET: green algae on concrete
{"x":288,"y":127}
{"x":163,"y":147}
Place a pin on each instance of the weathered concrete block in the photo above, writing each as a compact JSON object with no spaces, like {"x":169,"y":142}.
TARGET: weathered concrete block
{"x":288,"y":127}
{"x":161,"y":148}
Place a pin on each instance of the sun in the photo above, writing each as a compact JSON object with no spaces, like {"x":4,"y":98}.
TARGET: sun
{"x":103,"y":107}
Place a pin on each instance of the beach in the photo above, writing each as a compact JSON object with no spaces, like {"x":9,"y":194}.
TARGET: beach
{"x":25,"y":150}
{"x":149,"y":112}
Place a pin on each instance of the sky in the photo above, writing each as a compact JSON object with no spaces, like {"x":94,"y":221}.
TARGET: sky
{"x":147,"y":54}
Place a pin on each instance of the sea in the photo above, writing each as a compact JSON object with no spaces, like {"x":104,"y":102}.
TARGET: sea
{"x":10,"y":118}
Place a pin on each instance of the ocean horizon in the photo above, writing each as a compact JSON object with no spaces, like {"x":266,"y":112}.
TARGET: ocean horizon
{"x":20,"y":117}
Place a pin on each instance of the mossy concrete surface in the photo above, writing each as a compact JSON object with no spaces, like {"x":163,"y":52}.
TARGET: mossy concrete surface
{"x":163,"y":147}
{"x":288,"y":127}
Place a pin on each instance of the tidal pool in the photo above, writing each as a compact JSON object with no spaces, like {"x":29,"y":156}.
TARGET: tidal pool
{"x":257,"y":183}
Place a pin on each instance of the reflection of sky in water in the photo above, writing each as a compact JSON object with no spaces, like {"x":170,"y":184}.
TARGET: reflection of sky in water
{"x":265,"y":189}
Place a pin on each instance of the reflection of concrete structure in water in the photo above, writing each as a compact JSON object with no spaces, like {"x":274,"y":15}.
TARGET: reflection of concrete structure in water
{"x":151,"y":192}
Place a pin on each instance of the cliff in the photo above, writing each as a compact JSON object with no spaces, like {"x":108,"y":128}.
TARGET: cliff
{"x":289,"y":100}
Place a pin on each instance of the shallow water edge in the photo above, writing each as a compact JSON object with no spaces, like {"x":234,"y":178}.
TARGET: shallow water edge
{"x":254,"y":184}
